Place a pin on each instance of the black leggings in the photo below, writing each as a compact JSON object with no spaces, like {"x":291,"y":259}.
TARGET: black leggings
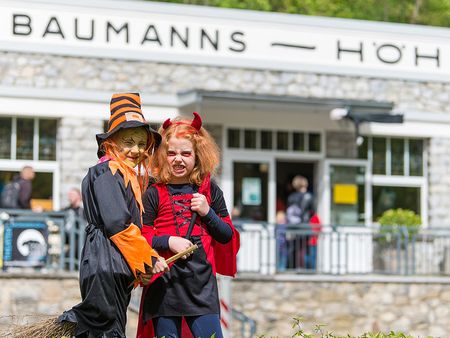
{"x":204,"y":326}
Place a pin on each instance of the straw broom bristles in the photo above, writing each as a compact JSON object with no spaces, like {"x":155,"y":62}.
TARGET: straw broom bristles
{"x":47,"y":328}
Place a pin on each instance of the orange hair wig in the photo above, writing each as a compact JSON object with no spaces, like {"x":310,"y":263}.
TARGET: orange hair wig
{"x":207,"y":154}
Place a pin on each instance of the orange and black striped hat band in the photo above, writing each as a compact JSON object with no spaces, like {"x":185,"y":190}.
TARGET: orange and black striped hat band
{"x":125,"y":107}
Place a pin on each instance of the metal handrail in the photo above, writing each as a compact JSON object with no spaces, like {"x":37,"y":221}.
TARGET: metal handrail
{"x":248,"y":325}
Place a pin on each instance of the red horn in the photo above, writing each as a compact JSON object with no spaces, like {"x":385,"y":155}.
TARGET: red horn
{"x":167,"y":123}
{"x":197,"y":121}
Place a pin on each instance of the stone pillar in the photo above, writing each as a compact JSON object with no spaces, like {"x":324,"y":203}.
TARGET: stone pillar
{"x":439,"y":181}
{"x":77,"y":151}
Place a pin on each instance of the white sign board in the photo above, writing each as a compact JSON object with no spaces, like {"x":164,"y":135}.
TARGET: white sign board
{"x":220,"y":37}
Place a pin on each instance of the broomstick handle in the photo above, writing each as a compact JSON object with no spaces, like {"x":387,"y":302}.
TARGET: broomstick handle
{"x":173,"y":258}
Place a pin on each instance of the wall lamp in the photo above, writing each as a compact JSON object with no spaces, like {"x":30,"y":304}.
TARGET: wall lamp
{"x":358,"y":117}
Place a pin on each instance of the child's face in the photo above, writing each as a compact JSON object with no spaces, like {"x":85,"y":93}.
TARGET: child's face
{"x":132,"y":143}
{"x":181,"y":159}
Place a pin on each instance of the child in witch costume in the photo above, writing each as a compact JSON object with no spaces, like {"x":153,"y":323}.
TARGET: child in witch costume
{"x":115,"y":253}
{"x":186,"y":298}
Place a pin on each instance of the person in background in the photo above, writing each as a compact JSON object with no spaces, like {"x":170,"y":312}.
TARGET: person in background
{"x":300,"y":208}
{"x":27,"y":175}
{"x":75,"y":202}
{"x":76,"y":221}
{"x":17,"y":193}
{"x":311,"y":252}
{"x":282,"y":249}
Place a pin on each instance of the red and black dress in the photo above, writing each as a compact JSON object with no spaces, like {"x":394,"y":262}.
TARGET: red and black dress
{"x":190,"y":287}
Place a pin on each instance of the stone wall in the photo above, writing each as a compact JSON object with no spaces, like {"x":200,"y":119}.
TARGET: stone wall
{"x":60,"y":72}
{"x":439,"y":181}
{"x":349,"y":304}
{"x":341,"y":145}
{"x":77,"y":151}
{"x":354,"y":305}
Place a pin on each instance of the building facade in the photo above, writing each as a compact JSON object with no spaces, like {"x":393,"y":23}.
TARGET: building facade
{"x":268,"y":86}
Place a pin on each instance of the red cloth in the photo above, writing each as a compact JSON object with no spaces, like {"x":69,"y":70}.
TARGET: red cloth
{"x":222,"y":256}
{"x":316,"y":228}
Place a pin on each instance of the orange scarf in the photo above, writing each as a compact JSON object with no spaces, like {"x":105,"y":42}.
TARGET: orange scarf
{"x":129,"y":176}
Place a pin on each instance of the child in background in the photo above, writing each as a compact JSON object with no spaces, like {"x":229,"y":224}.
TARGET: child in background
{"x":187,"y":296}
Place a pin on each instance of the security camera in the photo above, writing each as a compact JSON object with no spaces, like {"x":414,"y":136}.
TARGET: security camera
{"x":337,"y":114}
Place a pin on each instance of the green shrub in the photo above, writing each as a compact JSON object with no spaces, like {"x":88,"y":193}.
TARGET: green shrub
{"x":398,"y":220}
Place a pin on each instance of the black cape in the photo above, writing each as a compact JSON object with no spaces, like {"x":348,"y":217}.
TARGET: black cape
{"x":105,"y":278}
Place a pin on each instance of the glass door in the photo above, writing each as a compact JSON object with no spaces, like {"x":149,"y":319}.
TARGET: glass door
{"x":349,"y":192}
{"x":250,"y":200}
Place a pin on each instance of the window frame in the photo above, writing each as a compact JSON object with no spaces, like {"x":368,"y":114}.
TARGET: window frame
{"x":274,"y":133}
{"x":404,"y":180}
{"x":13,"y":147}
{"x":45,"y":166}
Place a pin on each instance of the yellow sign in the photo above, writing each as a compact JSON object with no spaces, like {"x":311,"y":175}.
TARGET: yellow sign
{"x":345,"y":194}
{"x":41,"y":204}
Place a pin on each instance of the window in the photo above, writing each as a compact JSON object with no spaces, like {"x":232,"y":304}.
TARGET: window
{"x":415,"y":157}
{"x":234,"y":140}
{"x":249,"y":139}
{"x":250,"y":190}
{"x":5,"y":137}
{"x":266,"y":139}
{"x":379,"y":155}
{"x":280,"y":140}
{"x":25,"y":133}
{"x":314,"y":142}
{"x":399,"y":157}
{"x":385,"y":198}
{"x":362,"y":149}
{"x":30,"y":139}
{"x":42,"y":186}
{"x":394,"y":156}
{"x":47,"y":140}
{"x":298,"y":141}
{"x":34,"y":139}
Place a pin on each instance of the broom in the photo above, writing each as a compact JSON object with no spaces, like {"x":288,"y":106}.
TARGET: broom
{"x":51,"y":328}
{"x":47,"y":328}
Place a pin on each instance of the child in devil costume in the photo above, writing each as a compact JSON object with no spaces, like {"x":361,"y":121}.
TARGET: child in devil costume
{"x":187,"y":296}
{"x":115,"y":252}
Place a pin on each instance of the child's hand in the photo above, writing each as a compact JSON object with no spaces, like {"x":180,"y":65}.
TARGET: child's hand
{"x":160,"y":266}
{"x":178,"y":244}
{"x":199,"y":204}
{"x":145,"y":278}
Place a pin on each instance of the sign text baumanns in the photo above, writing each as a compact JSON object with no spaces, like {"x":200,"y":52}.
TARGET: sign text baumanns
{"x":223,"y":40}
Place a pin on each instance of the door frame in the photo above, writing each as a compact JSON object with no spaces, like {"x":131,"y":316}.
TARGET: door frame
{"x":227,"y":178}
{"x":325,"y":200}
